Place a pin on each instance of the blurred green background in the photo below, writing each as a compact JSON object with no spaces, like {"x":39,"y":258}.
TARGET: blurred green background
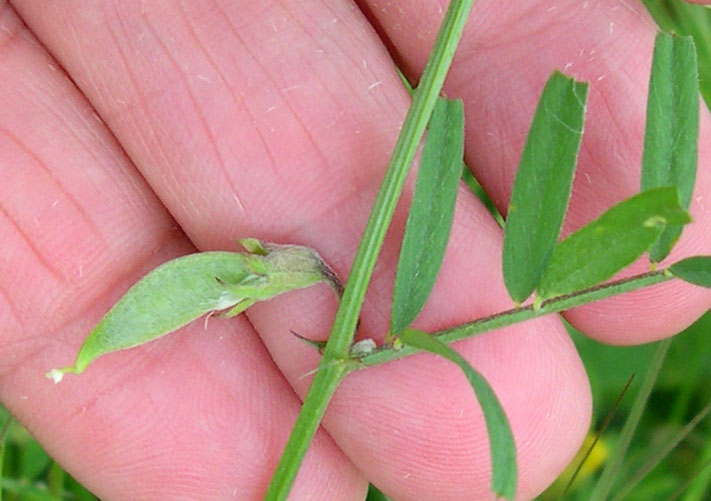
{"x":681,"y":392}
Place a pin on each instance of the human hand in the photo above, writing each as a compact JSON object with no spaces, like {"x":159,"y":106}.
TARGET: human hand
{"x":275,"y":120}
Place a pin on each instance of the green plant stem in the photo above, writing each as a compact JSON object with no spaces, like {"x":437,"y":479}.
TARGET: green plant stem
{"x":329,"y":375}
{"x":523,"y":313}
{"x":413,"y":128}
{"x":324,"y":385}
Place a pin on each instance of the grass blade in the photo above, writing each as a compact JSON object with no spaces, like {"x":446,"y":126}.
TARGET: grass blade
{"x":695,"y":270}
{"x":657,"y":457}
{"x":56,"y":477}
{"x":605,"y":246}
{"x":431,"y":213}
{"x":3,"y":437}
{"x":23,"y":490}
{"x":604,"y":484}
{"x":501,"y":443}
{"x":543,"y":183}
{"x":691,"y":482}
{"x":593,"y":444}
{"x":672,"y":130}
{"x":698,"y":485}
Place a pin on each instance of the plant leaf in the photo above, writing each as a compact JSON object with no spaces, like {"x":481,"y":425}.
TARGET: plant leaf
{"x":672,"y":130}
{"x":695,"y":270}
{"x":688,"y":19}
{"x":603,"y":247}
{"x":501,"y":442}
{"x":186,"y":288}
{"x":431,"y":213}
{"x":541,"y":190}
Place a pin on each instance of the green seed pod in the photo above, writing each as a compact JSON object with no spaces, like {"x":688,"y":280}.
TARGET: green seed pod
{"x":186,"y":288}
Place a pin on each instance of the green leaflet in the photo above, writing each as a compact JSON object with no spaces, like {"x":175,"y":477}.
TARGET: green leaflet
{"x":695,"y":270}
{"x":186,"y":288}
{"x":672,"y":130}
{"x":603,"y":247}
{"x":687,"y":19}
{"x":541,"y":190}
{"x":431,"y":213}
{"x":501,"y":442}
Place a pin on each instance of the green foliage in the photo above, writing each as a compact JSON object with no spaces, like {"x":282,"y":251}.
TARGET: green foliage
{"x":680,"y":394}
{"x":603,"y":247}
{"x":662,"y":452}
{"x":680,"y":17}
{"x":431,"y":213}
{"x":672,"y":131}
{"x":27,"y":473}
{"x":670,"y":153}
{"x":375,"y":495}
{"x":501,"y":442}
{"x":541,"y":190}
{"x":695,"y":270}
{"x":3,"y":437}
{"x":605,"y":483}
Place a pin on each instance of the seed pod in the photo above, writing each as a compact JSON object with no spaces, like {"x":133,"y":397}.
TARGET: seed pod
{"x":186,"y":288}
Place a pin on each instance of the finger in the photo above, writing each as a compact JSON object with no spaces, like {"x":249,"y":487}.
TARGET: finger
{"x":502,"y":64}
{"x":276,"y":121}
{"x":201,"y":414}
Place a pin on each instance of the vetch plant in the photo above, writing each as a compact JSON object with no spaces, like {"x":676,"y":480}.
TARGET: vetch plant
{"x":562,"y":274}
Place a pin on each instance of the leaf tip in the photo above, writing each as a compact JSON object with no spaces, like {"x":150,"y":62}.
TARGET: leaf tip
{"x":504,"y":495}
{"x":317,"y":345}
{"x":56,"y":375}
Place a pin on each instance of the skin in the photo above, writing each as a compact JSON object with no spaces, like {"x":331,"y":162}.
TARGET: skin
{"x":186,"y":125}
